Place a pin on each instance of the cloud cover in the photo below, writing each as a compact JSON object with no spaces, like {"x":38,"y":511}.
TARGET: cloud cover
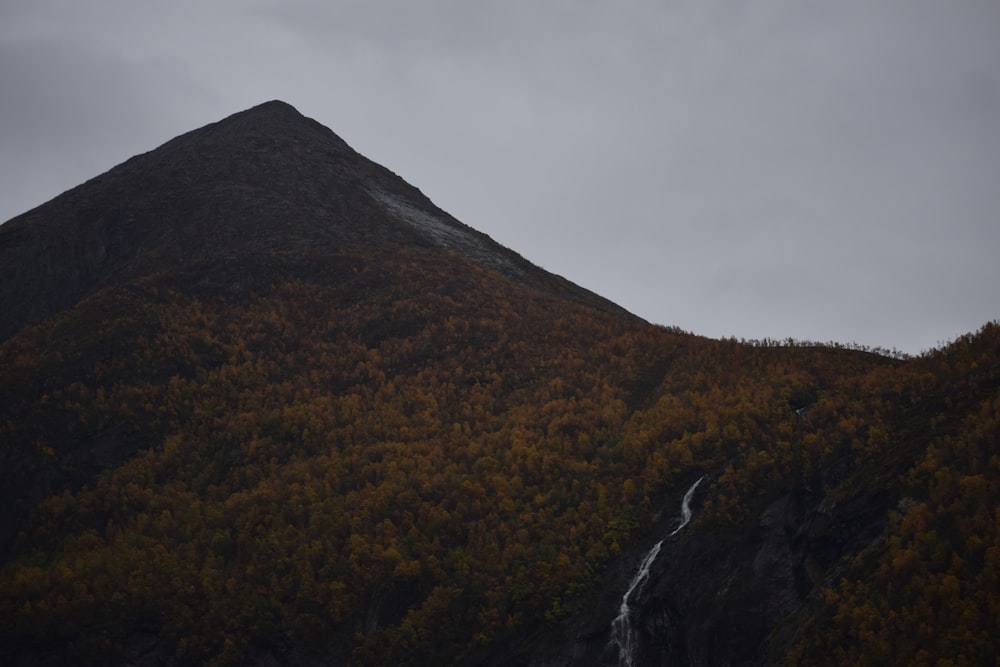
{"x":825,"y":170}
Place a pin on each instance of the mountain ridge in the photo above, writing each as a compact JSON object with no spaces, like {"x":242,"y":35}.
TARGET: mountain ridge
{"x":229,"y":185}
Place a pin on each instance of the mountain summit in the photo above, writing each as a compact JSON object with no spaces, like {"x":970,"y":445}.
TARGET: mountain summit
{"x":263,"y":183}
{"x":263,"y":403}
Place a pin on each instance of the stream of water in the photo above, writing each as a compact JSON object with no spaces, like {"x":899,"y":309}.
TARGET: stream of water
{"x":623,"y":633}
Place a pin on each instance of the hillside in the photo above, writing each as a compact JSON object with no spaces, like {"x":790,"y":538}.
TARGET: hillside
{"x":262,"y":402}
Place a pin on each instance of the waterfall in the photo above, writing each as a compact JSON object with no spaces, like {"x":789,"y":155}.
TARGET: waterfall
{"x":623,"y":634}
{"x":686,"y":507}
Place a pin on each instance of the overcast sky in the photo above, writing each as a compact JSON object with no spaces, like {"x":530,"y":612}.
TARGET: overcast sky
{"x":825,"y":170}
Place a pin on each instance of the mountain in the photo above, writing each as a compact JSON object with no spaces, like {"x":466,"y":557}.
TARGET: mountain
{"x":262,"y":184}
{"x":262,"y":402}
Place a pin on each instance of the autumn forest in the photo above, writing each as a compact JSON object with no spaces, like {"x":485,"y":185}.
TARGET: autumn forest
{"x":398,"y":455}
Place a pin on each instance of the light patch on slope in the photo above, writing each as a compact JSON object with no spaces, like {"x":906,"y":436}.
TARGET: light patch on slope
{"x":446,"y":234}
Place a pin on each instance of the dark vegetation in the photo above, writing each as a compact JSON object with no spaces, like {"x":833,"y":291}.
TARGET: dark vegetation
{"x":347,"y":444}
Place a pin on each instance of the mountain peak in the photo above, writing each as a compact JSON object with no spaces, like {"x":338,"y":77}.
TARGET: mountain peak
{"x":262,"y":182}
{"x":275,"y":116}
{"x":273,"y":106}
{"x":272,"y":109}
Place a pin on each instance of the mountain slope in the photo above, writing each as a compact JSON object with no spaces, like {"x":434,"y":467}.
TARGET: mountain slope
{"x":262,"y":403}
{"x":262,"y":182}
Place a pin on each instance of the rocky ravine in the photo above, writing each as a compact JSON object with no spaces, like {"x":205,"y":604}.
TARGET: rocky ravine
{"x":719,"y":598}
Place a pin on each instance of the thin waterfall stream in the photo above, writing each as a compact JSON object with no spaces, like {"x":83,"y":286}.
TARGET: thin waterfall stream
{"x":623,"y":633}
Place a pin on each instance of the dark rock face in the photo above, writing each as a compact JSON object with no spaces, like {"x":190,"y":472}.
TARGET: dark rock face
{"x":761,"y":576}
{"x":724,"y":599}
{"x":260,"y":183}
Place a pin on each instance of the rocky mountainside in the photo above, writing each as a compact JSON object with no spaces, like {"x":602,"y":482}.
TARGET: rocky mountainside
{"x":262,"y":402}
{"x":261,"y":184}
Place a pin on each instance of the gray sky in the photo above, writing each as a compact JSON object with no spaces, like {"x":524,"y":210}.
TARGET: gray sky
{"x":825,"y":170}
